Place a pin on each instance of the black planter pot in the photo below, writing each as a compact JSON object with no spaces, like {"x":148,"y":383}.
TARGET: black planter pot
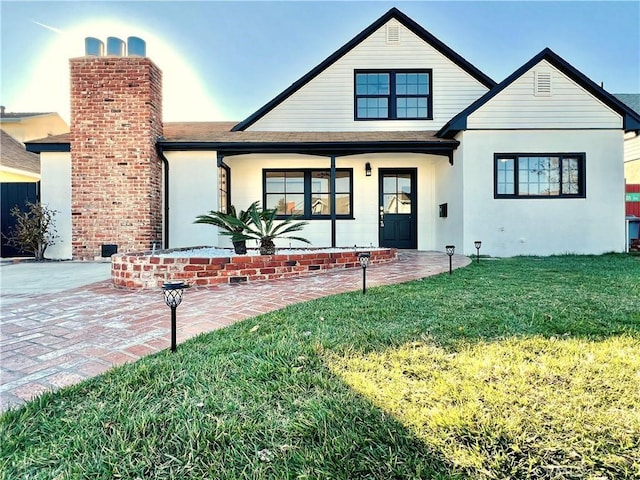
{"x":240,"y":247}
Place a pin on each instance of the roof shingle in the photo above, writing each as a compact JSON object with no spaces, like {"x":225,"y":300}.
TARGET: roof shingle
{"x":14,"y":155}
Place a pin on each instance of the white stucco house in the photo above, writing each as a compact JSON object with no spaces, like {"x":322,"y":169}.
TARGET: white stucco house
{"x":396,"y":140}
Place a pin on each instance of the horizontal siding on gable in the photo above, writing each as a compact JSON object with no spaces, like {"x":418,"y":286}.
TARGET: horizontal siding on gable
{"x":631,"y":147}
{"x":569,"y":106}
{"x":326,"y":103}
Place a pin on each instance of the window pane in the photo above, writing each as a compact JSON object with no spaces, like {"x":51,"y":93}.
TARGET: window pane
{"x":361,"y":84}
{"x":412,"y":84}
{"x":275,"y":182}
{"x":343,"y":182}
{"x":373,"y":108}
{"x":320,"y":182}
{"x":539,"y":176}
{"x":390,"y":203}
{"x":276,"y":201}
{"x":343,"y":204}
{"x":570,"y":171}
{"x":383,"y":82}
{"x":423,"y":84}
{"x":294,"y":182}
{"x":294,"y":204}
{"x":404,"y":183}
{"x":506,"y":176}
{"x":389,"y":184}
{"x":320,"y":204}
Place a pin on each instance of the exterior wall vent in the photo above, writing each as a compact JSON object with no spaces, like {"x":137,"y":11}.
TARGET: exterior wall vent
{"x":93,"y":46}
{"x":393,"y":33}
{"x":543,"y":85}
{"x":115,"y":47}
{"x":136,"y":47}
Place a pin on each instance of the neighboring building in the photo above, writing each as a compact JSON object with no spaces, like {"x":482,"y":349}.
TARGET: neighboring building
{"x":16,"y":164}
{"x":394,"y":140}
{"x":631,"y":141}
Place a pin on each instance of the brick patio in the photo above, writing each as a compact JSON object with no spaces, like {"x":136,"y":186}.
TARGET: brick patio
{"x":53,"y":340}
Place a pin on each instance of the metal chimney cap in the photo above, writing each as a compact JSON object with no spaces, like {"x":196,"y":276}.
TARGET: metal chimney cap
{"x":136,"y":47}
{"x":93,"y":46}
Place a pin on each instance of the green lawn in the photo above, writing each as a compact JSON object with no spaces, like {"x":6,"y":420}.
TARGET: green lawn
{"x":514,"y":368}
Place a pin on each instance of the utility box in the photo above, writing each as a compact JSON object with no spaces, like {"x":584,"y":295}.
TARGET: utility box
{"x":109,"y":249}
{"x":633,"y":233}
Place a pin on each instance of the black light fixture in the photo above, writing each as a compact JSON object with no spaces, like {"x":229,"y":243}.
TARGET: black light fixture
{"x":367,"y":169}
{"x":364,"y":258}
{"x":450,"y":250}
{"x":478,"y":244}
{"x":173,"y":297}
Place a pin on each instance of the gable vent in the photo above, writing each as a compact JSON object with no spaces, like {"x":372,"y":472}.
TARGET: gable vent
{"x":393,"y":33}
{"x":542,"y":84}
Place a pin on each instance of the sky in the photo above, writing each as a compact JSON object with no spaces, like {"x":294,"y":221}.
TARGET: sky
{"x":223,"y":60}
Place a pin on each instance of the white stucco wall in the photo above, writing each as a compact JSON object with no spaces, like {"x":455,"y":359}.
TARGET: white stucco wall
{"x":246,"y":187}
{"x":193,"y":190}
{"x":540,"y":226}
{"x":449,"y":188}
{"x":55,"y":172}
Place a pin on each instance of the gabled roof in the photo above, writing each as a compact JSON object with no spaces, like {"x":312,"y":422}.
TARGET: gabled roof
{"x":630,"y":99}
{"x":394,"y":13}
{"x":630,"y":118}
{"x":13,"y":155}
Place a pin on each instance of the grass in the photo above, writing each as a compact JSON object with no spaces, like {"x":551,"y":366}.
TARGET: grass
{"x":513,"y":368}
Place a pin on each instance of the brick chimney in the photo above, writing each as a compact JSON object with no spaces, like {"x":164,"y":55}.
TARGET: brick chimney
{"x":116,"y":175}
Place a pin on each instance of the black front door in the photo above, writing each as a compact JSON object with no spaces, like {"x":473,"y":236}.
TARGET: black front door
{"x":397,"y":208}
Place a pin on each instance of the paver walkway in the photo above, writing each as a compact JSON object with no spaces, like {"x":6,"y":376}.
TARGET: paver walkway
{"x":54,"y":340}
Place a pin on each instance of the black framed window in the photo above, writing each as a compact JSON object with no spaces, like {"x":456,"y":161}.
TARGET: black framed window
{"x":539,"y":175}
{"x":307,"y":193}
{"x":393,"y":94}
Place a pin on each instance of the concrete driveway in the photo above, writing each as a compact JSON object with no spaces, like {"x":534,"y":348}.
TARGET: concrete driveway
{"x":20,"y":280}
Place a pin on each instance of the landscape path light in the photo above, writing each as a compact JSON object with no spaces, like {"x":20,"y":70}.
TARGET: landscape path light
{"x":450,"y":250}
{"x":478,"y":244}
{"x":364,"y":258}
{"x":173,"y":297}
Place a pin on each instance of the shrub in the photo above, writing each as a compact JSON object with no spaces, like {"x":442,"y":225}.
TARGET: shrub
{"x":34,"y":230}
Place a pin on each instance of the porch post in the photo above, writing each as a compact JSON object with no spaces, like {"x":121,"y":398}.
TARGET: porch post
{"x":333,"y":200}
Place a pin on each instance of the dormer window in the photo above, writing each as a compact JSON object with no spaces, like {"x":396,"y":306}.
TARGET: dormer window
{"x":393,"y":95}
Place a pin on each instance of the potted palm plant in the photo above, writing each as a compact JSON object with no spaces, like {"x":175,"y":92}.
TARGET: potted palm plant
{"x":229,"y":223}
{"x":263,"y":227}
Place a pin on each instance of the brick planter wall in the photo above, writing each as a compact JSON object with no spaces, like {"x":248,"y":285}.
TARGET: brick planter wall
{"x":143,"y":271}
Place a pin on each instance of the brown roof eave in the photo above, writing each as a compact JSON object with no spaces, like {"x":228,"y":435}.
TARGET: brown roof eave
{"x":329,"y":148}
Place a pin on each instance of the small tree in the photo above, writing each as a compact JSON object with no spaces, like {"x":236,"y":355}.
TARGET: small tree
{"x":34,"y":230}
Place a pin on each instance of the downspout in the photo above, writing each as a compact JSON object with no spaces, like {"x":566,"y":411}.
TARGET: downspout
{"x":165,"y":162}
